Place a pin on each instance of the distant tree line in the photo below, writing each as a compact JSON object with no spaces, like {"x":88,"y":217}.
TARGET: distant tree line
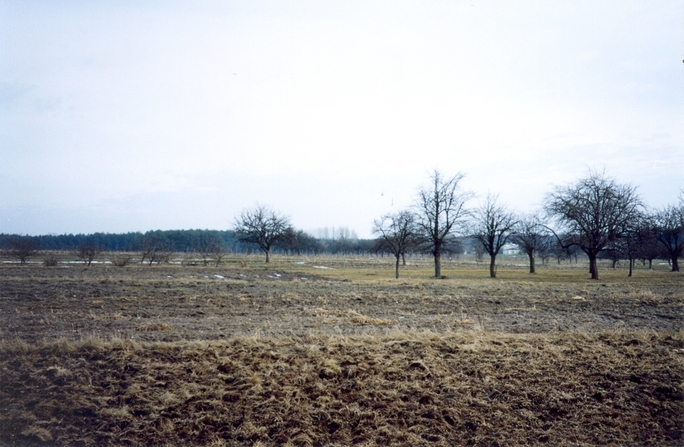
{"x":177,"y":240}
{"x":155,"y":247}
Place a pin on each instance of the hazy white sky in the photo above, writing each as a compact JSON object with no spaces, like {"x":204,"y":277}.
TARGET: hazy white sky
{"x":131,"y":115}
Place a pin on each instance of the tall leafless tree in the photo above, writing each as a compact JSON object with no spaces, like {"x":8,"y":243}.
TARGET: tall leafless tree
{"x":262,"y":226}
{"x":492,"y":227}
{"x":440,"y":208}
{"x":396,"y":233}
{"x":669,"y":223}
{"x":593,"y":212}
{"x":530,"y":235}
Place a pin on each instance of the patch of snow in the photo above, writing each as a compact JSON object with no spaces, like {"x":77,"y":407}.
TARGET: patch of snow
{"x":322,"y":267}
{"x":303,"y":278}
{"x":85,"y":262}
{"x":219,"y":277}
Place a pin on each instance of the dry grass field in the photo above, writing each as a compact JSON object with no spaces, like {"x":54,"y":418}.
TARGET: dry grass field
{"x":334,"y":351}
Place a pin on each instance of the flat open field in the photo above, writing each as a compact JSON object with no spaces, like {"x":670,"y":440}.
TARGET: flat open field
{"x":334,"y":351}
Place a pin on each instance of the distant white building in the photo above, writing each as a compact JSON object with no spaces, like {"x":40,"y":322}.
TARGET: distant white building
{"x":510,"y":249}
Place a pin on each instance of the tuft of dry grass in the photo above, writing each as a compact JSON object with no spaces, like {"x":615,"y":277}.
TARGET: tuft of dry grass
{"x":353,"y":316}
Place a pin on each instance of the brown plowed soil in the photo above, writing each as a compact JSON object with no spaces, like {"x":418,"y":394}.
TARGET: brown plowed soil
{"x":177,"y":303}
{"x":292,"y":355}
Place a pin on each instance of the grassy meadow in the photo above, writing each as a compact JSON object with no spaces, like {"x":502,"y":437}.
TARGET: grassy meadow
{"x":333,"y":351}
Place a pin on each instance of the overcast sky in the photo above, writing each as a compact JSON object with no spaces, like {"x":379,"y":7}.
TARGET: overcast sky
{"x":120,"y":116}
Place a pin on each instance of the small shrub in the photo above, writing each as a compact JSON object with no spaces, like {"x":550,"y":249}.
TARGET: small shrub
{"x":190,"y":261}
{"x":122,"y":260}
{"x":50,"y":261}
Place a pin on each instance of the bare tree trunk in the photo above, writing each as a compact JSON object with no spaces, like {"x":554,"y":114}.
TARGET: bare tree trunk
{"x":531,"y":256}
{"x":268,"y":252}
{"x":396,"y":268}
{"x":631,"y":264}
{"x":492,"y":266}
{"x":593,"y":269}
{"x":675,"y":264}
{"x":403,"y":259}
{"x":438,"y":265}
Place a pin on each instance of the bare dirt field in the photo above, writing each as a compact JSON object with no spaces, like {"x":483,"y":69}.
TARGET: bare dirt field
{"x":333,"y":351}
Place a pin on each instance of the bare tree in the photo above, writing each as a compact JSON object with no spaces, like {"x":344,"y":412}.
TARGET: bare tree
{"x":155,"y":248}
{"x":22,"y":248}
{"x":397,"y":233}
{"x":492,"y":227}
{"x":298,"y":241}
{"x":479,"y":251}
{"x":562,"y":252}
{"x":440,"y":207}
{"x":261,"y":226}
{"x":669,"y":223}
{"x":289,"y":241}
{"x":87,"y":251}
{"x":650,"y":247}
{"x":530,"y":235}
{"x":593,"y":212}
{"x":209,"y":246}
{"x":631,"y":243}
{"x":545,"y":250}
